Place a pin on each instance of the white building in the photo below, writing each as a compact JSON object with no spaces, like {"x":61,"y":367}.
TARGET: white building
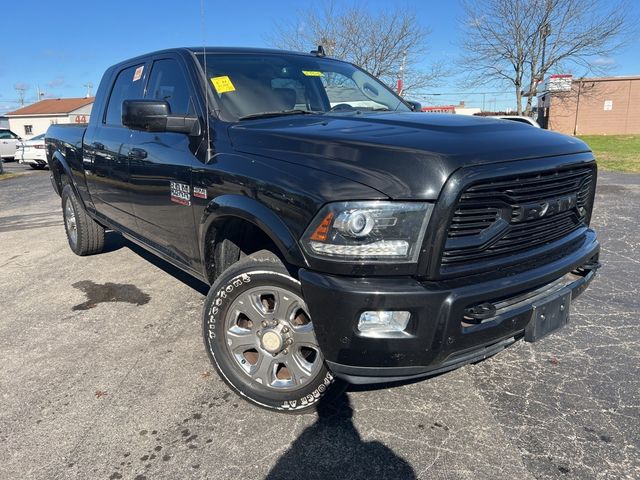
{"x":461,"y":109}
{"x":35,"y":119}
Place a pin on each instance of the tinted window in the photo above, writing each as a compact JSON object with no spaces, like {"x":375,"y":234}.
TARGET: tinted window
{"x":249,"y":84}
{"x":343,"y":90}
{"x":128,"y":86}
{"x":167,"y":82}
{"x":288,"y":86}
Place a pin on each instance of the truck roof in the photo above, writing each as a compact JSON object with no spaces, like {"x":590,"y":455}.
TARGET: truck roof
{"x":245,"y":50}
{"x":196,"y":50}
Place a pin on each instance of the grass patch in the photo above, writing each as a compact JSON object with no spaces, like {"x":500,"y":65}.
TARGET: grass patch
{"x":620,"y":153}
{"x":7,"y":175}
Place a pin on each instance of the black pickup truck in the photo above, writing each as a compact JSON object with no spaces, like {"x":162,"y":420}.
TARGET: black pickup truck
{"x":344,"y":235}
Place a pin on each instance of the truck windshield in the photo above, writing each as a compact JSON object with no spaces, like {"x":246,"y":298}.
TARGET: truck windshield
{"x":251,"y":85}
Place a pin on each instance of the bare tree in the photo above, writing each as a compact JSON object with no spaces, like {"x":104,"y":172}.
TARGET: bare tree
{"x":389,"y":43}
{"x":518,"y":42}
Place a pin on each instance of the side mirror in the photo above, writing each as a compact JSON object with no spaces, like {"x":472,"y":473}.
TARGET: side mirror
{"x":415,"y":106}
{"x":155,"y":116}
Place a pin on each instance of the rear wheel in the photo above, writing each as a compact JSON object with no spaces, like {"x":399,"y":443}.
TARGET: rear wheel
{"x":260,"y":337}
{"x":85,"y":235}
{"x":37,"y":166}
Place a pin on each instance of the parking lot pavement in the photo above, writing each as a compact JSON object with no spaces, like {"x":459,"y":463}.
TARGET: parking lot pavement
{"x":12,"y":166}
{"x":104,"y":375}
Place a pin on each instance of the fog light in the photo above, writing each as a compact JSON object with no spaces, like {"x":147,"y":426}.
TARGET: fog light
{"x":383,"y":321}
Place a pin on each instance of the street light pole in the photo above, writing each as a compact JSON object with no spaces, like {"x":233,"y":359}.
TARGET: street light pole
{"x":401,"y":79}
{"x":544,"y":33}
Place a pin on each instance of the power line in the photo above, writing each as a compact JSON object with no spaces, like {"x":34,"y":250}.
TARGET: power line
{"x":462,"y":93}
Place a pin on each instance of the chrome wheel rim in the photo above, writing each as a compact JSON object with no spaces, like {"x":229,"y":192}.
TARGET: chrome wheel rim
{"x":270,"y":337}
{"x":70,"y":223}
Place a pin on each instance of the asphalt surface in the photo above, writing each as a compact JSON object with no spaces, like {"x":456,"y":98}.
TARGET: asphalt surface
{"x":104,"y":375}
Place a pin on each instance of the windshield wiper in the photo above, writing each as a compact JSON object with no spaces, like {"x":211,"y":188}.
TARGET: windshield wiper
{"x":295,"y":111}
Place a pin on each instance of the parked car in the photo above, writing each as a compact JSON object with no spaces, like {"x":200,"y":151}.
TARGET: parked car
{"x":368,"y":243}
{"x":519,"y":118}
{"x":32,"y":152}
{"x":8,"y":142}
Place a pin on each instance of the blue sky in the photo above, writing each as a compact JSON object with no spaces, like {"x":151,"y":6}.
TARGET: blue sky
{"x":62,"y":45}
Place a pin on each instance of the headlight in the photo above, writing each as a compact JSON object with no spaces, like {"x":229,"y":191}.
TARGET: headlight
{"x":368,"y":231}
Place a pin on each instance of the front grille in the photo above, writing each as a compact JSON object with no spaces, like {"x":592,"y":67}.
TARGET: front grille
{"x":498,"y":218}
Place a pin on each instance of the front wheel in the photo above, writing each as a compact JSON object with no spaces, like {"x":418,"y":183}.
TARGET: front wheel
{"x":260,"y":337}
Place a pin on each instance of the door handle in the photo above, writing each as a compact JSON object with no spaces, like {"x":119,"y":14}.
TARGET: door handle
{"x":98,"y":145}
{"x":137,"y":153}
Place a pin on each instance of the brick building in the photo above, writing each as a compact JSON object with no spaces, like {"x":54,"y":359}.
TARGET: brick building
{"x":591,"y":106}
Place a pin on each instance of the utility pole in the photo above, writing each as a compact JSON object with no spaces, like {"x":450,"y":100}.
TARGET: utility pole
{"x":21,"y":91}
{"x":89,"y":87}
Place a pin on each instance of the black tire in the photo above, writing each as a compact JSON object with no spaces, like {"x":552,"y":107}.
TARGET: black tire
{"x":85,"y":235}
{"x":36,"y":166}
{"x":262,"y":271}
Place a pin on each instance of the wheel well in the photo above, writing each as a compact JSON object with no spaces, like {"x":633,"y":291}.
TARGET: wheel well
{"x":230,"y":239}
{"x":58,"y":173}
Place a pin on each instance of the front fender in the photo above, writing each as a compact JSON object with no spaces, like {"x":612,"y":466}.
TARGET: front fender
{"x":252,"y":211}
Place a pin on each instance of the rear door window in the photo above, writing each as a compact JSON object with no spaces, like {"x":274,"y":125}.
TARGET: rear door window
{"x":128,"y":86}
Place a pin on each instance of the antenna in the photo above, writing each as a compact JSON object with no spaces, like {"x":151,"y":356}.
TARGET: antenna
{"x":209,"y":154}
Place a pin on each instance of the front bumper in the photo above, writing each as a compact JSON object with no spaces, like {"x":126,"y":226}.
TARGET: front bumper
{"x":438,"y":338}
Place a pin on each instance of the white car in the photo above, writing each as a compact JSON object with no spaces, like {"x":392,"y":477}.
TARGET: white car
{"x":32,"y":152}
{"x":8,"y":143}
{"x":518,"y":118}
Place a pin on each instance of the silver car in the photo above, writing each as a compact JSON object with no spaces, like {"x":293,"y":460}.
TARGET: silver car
{"x":8,"y":143}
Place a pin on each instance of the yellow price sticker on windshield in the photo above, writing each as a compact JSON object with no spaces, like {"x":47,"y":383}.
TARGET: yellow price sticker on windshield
{"x":223,"y":84}
{"x":312,"y":73}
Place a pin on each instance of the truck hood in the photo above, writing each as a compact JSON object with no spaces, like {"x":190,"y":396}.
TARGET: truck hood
{"x":402,"y":155}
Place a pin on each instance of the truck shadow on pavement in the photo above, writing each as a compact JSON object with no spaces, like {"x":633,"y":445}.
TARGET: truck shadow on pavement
{"x":115,"y":241}
{"x":332,"y":448}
